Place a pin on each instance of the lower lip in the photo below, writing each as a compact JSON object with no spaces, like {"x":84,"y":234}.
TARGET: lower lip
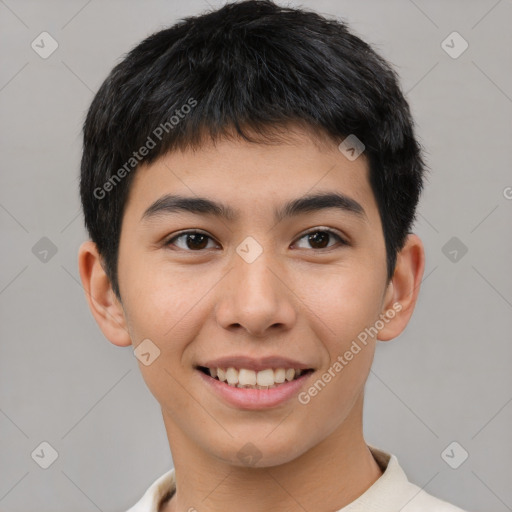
{"x":247,"y":398}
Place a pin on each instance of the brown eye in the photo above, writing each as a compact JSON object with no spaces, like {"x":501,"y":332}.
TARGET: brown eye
{"x":191,"y":241}
{"x":320,"y":239}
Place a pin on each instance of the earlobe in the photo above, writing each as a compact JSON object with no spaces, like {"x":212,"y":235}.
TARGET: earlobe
{"x":402,"y":292}
{"x":104,"y":305}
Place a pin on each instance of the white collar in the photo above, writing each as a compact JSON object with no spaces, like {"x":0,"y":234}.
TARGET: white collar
{"x":392,"y":491}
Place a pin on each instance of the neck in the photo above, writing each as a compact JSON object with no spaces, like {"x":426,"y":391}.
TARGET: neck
{"x":327,"y":477}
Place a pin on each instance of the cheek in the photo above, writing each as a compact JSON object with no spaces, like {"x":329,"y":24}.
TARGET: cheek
{"x":348,"y":304}
{"x":157,"y":299}
{"x":163,"y":309}
{"x":346,"y":301}
{"x":168,"y":307}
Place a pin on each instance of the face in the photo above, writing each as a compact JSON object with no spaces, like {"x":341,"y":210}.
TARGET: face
{"x":257,"y":286}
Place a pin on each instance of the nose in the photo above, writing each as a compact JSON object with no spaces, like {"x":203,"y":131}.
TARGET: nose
{"x":255,"y":297}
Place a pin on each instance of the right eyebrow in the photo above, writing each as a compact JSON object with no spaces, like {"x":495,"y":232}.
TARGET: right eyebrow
{"x":169,"y":204}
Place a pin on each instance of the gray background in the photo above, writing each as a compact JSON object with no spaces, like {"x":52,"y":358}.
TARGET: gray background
{"x":447,"y":378}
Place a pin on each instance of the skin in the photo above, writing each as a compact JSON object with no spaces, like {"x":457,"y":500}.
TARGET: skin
{"x":296,"y":299}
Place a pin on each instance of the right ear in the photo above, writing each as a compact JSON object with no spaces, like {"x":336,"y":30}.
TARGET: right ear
{"x":103,"y":303}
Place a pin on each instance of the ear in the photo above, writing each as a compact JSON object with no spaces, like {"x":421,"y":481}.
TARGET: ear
{"x":402,"y":291}
{"x":103,"y":303}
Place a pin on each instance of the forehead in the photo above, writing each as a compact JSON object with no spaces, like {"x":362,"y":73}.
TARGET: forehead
{"x":252,"y":178}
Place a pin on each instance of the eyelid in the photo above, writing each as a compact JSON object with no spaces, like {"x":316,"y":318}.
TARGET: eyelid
{"x":323,"y":229}
{"x":167,"y":241}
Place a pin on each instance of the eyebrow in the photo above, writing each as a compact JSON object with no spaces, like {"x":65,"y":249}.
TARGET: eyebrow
{"x":170,"y":204}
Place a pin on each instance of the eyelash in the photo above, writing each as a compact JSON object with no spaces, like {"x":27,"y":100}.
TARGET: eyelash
{"x":313,"y":231}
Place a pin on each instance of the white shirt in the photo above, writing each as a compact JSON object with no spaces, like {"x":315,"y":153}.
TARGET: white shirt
{"x":392,"y":492}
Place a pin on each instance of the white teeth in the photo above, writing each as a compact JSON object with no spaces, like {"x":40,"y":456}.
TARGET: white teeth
{"x":264,"y":379}
{"x":247,"y":377}
{"x":232,"y":376}
{"x":290,"y":373}
{"x":279,"y":375}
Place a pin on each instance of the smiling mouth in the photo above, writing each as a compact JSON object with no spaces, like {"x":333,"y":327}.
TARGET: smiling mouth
{"x":265,"y":379}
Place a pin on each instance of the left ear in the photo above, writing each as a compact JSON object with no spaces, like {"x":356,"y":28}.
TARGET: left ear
{"x":402,"y":291}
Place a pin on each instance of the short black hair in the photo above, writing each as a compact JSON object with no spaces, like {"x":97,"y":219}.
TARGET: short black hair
{"x":247,"y":68}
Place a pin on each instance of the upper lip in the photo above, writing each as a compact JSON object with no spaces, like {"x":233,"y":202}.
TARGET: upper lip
{"x":256,"y":364}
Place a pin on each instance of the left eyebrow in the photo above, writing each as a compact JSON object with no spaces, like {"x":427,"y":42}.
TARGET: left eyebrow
{"x":320,"y":201}
{"x":169,"y":204}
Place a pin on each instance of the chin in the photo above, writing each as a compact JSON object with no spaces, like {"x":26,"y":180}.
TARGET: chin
{"x":260,"y":452}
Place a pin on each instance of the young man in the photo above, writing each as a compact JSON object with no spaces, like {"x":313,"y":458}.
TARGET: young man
{"x":249,"y":181}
